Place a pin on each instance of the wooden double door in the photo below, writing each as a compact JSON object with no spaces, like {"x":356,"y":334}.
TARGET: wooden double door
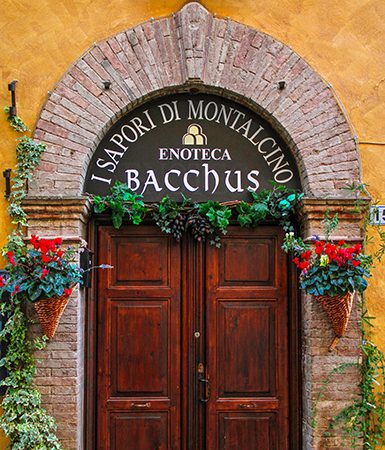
{"x":193,"y":342}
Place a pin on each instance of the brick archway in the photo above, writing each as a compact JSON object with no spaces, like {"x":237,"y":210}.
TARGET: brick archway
{"x":194,"y":49}
{"x":191,"y":50}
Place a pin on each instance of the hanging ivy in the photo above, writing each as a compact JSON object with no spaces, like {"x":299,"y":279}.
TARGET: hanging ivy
{"x":27,"y":425}
{"x":206,"y":220}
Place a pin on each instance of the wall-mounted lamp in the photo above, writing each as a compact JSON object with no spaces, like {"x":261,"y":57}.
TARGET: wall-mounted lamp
{"x":281,"y":85}
{"x":107,"y":84}
{"x":7,"y":176}
{"x":12,"y":89}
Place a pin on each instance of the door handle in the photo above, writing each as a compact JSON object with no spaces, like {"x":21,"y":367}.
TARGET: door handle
{"x":140,"y":405}
{"x":207,"y":390}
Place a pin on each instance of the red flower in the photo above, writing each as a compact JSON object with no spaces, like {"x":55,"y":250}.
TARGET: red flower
{"x":35,"y":241}
{"x":341,"y":242}
{"x":60,"y":253}
{"x":44,"y":273}
{"x":296,"y":261}
{"x":67,"y":292}
{"x":306,"y":255}
{"x":303,"y":265}
{"x":357,"y":248}
{"x":11,"y":258}
{"x":1,"y":281}
{"x":16,"y":290}
{"x":58,"y":241}
{"x":356,"y":263}
{"x":319,"y":250}
{"x":45,"y":258}
{"x":339,"y":260}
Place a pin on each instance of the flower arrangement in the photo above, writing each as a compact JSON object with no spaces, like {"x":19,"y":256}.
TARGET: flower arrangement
{"x":329,"y":268}
{"x":45,"y":274}
{"x":42,"y":270}
{"x":331,"y":272}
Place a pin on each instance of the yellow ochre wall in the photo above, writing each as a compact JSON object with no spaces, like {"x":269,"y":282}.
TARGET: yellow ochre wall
{"x":343,"y":40}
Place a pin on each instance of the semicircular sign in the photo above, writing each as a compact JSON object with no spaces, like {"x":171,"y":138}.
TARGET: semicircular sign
{"x":204,"y":146}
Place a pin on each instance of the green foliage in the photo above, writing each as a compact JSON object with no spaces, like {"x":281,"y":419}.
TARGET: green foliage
{"x":28,"y":154}
{"x":24,"y":421}
{"x":42,"y":270}
{"x":27,"y":425}
{"x":250,"y":215}
{"x":330,"y":224}
{"x":165,"y":213}
{"x":122,"y":202}
{"x":204,"y":220}
{"x":218,"y":219}
{"x":278,"y":204}
{"x":15,"y":121}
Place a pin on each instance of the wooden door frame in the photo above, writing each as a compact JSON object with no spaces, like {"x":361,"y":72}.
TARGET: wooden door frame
{"x":91,"y":356}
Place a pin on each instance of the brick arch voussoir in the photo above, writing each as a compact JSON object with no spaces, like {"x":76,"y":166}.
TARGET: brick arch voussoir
{"x":194,"y":47}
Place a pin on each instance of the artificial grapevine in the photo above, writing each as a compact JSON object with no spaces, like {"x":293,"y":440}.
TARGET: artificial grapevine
{"x":207,"y":220}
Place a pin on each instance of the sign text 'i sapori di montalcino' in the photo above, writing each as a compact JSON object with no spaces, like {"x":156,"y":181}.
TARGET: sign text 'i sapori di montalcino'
{"x":204,"y":146}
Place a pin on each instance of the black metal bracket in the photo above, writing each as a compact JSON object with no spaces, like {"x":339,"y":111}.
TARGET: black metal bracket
{"x":12,"y":89}
{"x":7,"y":176}
{"x":86,"y":263}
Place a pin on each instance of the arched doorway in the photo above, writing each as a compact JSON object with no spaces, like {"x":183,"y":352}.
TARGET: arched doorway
{"x":193,"y":347}
{"x":191,"y":49}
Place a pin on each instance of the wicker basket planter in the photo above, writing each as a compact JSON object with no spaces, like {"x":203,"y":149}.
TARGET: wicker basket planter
{"x":49,"y":312}
{"x":338,"y":308}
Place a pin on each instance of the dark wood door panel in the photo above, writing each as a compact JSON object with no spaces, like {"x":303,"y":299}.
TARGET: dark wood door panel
{"x":252,"y":431}
{"x":247,"y":262}
{"x":139,"y":431}
{"x":246,"y":349}
{"x":247,"y":345}
{"x":181,"y":323}
{"x":139,"y":340}
{"x":143,"y":262}
{"x":139,"y":347}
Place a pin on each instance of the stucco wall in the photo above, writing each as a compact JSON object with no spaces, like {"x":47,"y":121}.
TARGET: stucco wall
{"x":342,"y":40}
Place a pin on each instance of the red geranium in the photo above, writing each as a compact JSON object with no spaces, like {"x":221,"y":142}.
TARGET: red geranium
{"x":11,"y":258}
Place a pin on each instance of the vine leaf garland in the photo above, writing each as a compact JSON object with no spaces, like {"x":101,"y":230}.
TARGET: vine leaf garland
{"x":122,"y":202}
{"x":24,"y":421}
{"x":207,"y":220}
